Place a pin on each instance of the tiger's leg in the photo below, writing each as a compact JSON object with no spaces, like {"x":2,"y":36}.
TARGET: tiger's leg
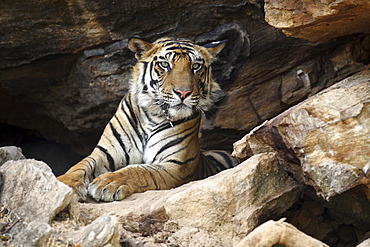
{"x":80,"y":175}
{"x":137,"y":178}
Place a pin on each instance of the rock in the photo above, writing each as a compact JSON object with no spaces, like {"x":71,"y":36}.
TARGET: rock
{"x":33,"y":234}
{"x":26,"y":182}
{"x":310,"y":220}
{"x":260,"y":98}
{"x":326,"y":135}
{"x":193,"y":237}
{"x":280,"y":233}
{"x":347,"y":235}
{"x":318,"y":20}
{"x":102,"y":76}
{"x":32,"y":193}
{"x":101,"y":232}
{"x":236,"y":201}
{"x":357,"y":201}
{"x":10,"y":153}
{"x":229,"y":204}
{"x":366,"y":241}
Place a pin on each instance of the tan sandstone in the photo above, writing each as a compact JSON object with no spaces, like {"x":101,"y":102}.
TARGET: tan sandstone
{"x":319,"y":20}
{"x":325,"y":139}
{"x":220,"y":210}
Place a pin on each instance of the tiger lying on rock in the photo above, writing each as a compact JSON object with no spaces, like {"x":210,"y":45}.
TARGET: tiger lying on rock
{"x":151,"y":142}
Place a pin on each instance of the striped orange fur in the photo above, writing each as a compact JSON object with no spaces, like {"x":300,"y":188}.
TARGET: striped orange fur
{"x":151,"y":142}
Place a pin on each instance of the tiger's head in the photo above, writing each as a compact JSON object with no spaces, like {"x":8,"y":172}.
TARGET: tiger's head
{"x":173,"y":76}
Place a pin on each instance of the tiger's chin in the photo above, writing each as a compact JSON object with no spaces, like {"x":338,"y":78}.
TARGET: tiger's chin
{"x":180,"y":111}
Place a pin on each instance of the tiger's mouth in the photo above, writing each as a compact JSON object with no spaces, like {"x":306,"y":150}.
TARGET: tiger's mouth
{"x":180,"y":106}
{"x":177,"y":111}
{"x":176,"y":105}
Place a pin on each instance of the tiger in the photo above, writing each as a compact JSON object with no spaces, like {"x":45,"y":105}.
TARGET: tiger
{"x":152,"y":141}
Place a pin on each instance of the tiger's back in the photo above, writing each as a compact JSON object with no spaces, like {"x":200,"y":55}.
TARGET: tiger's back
{"x":152,"y":140}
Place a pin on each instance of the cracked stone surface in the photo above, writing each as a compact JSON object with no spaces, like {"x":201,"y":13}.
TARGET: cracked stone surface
{"x":327,"y":135}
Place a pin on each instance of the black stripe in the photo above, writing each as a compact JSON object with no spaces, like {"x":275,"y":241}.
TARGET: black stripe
{"x":156,"y":170}
{"x":132,"y":120}
{"x":227,"y":159}
{"x":129,"y":107}
{"x":145,"y":67}
{"x":153,"y":83}
{"x":215,"y":162}
{"x":158,"y":74}
{"x":118,"y":137}
{"x":135,"y":129}
{"x":129,"y":136}
{"x":183,"y":48}
{"x":177,"y":151}
{"x":152,"y":80}
{"x":135,"y":124}
{"x":160,"y":128}
{"x":177,"y":122}
{"x":177,"y":162}
{"x":92,"y":167}
{"x":152,"y":175}
{"x":109,"y":157}
{"x":191,"y":175}
{"x":209,"y":169}
{"x":148,"y":117}
{"x":173,"y":143}
{"x":164,"y":169}
{"x":169,"y":136}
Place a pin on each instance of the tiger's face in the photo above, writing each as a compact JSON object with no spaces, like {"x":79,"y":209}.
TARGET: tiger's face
{"x":173,"y":76}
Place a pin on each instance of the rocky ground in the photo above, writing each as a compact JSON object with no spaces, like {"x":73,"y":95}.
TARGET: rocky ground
{"x":295,"y":113}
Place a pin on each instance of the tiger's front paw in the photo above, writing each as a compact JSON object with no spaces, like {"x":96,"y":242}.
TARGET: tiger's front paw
{"x":76,"y":182}
{"x":110,"y":186}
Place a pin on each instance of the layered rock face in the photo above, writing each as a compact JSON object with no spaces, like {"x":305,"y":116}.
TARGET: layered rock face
{"x":319,"y":20}
{"x":327,"y":135}
{"x":296,"y":81}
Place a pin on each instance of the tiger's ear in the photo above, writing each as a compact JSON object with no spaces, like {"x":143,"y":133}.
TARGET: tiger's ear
{"x":139,"y":47}
{"x":215,"y":47}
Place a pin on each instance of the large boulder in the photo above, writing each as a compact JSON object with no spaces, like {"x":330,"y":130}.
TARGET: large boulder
{"x":33,"y":196}
{"x":10,"y":153}
{"x":279,"y":233}
{"x":318,"y":20}
{"x":327,"y":136}
{"x":323,"y":142}
{"x":230,"y":204}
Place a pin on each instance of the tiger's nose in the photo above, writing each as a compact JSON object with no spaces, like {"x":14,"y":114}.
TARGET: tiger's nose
{"x":182,"y":93}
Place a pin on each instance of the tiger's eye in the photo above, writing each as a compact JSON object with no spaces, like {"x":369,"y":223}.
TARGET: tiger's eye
{"x":164,"y":64}
{"x":196,"y":66}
